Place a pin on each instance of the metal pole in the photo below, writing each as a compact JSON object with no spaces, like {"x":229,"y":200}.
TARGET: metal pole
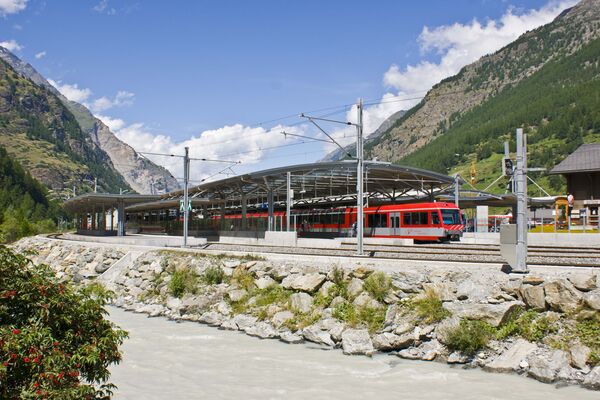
{"x":521,"y":191}
{"x":456,"y":189}
{"x":359,"y":180}
{"x":95,"y":185}
{"x":288,"y":201}
{"x":186,"y":178}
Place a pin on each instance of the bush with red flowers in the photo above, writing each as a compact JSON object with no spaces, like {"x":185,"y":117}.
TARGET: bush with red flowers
{"x":55,"y":342}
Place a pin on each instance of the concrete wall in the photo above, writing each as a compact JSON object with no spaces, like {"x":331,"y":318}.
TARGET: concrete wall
{"x":538,"y":239}
{"x":138,"y":240}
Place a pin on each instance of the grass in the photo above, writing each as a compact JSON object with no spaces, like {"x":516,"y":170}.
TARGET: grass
{"x":183,"y":281}
{"x":470,"y":336}
{"x":213,"y":275}
{"x":378,"y":285}
{"x":243,"y":279}
{"x":429,"y":309}
{"x":529,"y":325}
{"x":371,"y":318}
{"x":302,"y":320}
{"x":588,"y":332}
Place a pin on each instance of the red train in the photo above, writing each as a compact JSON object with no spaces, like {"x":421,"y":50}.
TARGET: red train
{"x":420,"y":221}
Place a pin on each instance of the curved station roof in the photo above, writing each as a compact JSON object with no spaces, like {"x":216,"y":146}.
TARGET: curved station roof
{"x":315,"y":183}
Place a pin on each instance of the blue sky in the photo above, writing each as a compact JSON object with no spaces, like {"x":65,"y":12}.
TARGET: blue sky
{"x":162,"y":73}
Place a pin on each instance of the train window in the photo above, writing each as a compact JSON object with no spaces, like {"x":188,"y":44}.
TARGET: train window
{"x":406,"y":220}
{"x":435,"y":218}
{"x":415,"y":218}
{"x":377,"y":220}
{"x":451,"y":217}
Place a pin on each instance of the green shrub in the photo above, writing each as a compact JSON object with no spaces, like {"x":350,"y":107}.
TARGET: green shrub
{"x":183,"y":281}
{"x":379,"y":285}
{"x":213,"y":275}
{"x":470,"y":336}
{"x":340,"y":284}
{"x":55,"y":341}
{"x":371,"y":318}
{"x":429,"y":309}
{"x":588,"y":332}
{"x":529,"y":324}
{"x":243,"y":279}
{"x":273,"y":294}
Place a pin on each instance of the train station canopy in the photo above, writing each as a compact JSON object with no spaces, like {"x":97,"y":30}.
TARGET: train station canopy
{"x":314,"y":183}
{"x":90,"y":202}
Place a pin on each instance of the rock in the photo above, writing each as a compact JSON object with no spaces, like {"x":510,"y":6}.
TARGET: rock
{"x":357,"y":341}
{"x":211,"y":318}
{"x":290,"y":337}
{"x":314,"y":334}
{"x":423,"y":332}
{"x":264,"y":282}
{"x":337,"y":301}
{"x":592,"y":299}
{"x":174,"y":304}
{"x":355,"y":286}
{"x":101,"y":268}
{"x":236,"y":294}
{"x":281,"y":317}
{"x":324,"y":291}
{"x":229,"y":324}
{"x":532,"y":280}
{"x":444,"y":328}
{"x":334,"y":327}
{"x":592,"y":380}
{"x":494,"y":314}
{"x":427,"y":351}
{"x":388,"y":341}
{"x":365,"y":300}
{"x":307,"y":283}
{"x":472,"y":290}
{"x":404,"y":327}
{"x":362,"y":272}
{"x":195,"y":304}
{"x":562,"y":296}
{"x":534,"y":297}
{"x":153,"y":310}
{"x":579,"y":356}
{"x":262,"y":330}
{"x":511,"y":286}
{"x":584,"y":282}
{"x":511,"y":359}
{"x":244,"y":321}
{"x":301,"y":302}
{"x":457,"y":358}
{"x":545,"y":367}
{"x":223,"y":308}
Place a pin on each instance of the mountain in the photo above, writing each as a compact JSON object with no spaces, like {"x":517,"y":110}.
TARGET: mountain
{"x":547,"y":82}
{"x":338,"y":154}
{"x":39,"y":132}
{"x":141,"y":174}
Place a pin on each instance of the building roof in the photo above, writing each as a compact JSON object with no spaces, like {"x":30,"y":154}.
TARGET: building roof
{"x":585,"y":159}
{"x":90,"y":201}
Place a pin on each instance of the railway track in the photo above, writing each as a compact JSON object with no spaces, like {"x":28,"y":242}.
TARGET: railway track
{"x":471,"y":254}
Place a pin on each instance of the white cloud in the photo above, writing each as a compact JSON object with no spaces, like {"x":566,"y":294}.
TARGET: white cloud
{"x":460,"y":44}
{"x":12,"y":6}
{"x":103,"y":8}
{"x":41,"y":54}
{"x":11,"y":45}
{"x":233,"y":142}
{"x":122,"y":98}
{"x":72,"y":92}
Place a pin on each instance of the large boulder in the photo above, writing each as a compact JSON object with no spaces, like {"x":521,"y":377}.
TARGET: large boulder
{"x":445,"y":291}
{"x":306,"y":283}
{"x":493,"y":314}
{"x":313,"y":333}
{"x":427,"y":351}
{"x":301,"y":302}
{"x":562,"y":296}
{"x":244,"y":321}
{"x":365,"y":300}
{"x":281,"y":317}
{"x":264,"y":282}
{"x":357,"y":341}
{"x":355,"y":286}
{"x":545,"y":367}
{"x":583,"y":281}
{"x":592,"y":300}
{"x":534,"y":297}
{"x":592,"y":380}
{"x":579,"y":356}
{"x":511,"y":359}
{"x":388,"y":341}
{"x":211,"y":318}
{"x":262,"y":330}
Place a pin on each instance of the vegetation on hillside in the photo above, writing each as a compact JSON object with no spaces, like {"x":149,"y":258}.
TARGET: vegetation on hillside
{"x":55,"y":342}
{"x":559,"y":108}
{"x":25,"y":208}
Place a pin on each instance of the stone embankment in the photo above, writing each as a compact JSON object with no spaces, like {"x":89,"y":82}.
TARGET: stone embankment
{"x":545,"y":325}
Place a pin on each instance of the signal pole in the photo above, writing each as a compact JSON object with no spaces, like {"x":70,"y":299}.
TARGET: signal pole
{"x":359,"y":180}
{"x":186,"y":180}
{"x":521,"y":192}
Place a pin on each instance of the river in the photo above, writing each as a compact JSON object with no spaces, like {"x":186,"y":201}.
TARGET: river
{"x":169,"y":360}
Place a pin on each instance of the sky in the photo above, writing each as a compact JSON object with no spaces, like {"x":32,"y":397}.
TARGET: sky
{"x":226,"y":77}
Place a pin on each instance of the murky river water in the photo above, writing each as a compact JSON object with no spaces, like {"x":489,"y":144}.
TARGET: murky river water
{"x":168,"y":360}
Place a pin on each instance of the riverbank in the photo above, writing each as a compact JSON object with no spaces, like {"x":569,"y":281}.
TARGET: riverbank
{"x":545,"y":326}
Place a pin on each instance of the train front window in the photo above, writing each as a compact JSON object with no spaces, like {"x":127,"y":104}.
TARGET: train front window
{"x":451,"y":217}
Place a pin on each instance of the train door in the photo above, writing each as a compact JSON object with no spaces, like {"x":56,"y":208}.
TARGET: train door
{"x":395,"y":224}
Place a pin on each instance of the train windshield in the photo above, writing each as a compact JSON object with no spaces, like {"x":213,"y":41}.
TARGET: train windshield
{"x":451,"y":217}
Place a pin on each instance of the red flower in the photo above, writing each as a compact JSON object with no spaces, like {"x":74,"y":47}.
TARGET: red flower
{"x":5,"y":363}
{"x":36,"y":360}
{"x":26,"y":359}
{"x":16,"y":331}
{"x":55,"y":343}
{"x":61,"y":375}
{"x":36,"y":385}
{"x":13,"y":356}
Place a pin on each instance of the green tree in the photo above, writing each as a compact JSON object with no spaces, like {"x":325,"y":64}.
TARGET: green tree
{"x":55,"y":342}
